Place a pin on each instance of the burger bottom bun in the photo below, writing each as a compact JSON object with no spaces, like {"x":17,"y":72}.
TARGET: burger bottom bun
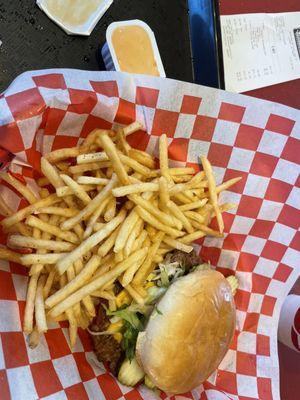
{"x":186,"y":340}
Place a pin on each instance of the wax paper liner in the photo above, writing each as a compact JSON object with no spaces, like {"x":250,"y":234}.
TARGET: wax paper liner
{"x":241,"y":136}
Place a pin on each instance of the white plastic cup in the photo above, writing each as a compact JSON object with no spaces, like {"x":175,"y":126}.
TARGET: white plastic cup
{"x":108,"y":52}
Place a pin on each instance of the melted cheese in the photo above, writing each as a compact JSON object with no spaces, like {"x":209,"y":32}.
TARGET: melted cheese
{"x":73,"y":12}
{"x":134,"y":50}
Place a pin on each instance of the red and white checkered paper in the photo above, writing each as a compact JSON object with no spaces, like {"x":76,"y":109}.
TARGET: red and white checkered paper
{"x":241,"y":136}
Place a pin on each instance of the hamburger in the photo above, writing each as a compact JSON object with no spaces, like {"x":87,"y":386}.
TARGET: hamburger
{"x":179,"y":336}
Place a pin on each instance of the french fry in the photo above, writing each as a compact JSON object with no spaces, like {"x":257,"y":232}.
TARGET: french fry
{"x":51,"y":173}
{"x":194,"y":216}
{"x":35,"y":222}
{"x":76,"y":189}
{"x":206,"y":229}
{"x":135,"y":295}
{"x":194,"y":205}
{"x":92,"y":137}
{"x":24,"y":212}
{"x":125,"y":230}
{"x":181,"y":198}
{"x":90,"y":242}
{"x":142,"y":157}
{"x":181,"y":171}
{"x":66,"y":191}
{"x":24,"y":190}
{"x":6,"y":211}
{"x":176,"y":244}
{"x":152,"y":232}
{"x":34,"y":338}
{"x":147,"y":217}
{"x":50,"y":258}
{"x":63,"y":212}
{"x":49,"y":283}
{"x":111,"y":151}
{"x":227,"y":206}
{"x":79,"y":280}
{"x":212,"y":191}
{"x":8,"y":255}
{"x":135,"y":188}
{"x":175,"y":210}
{"x":108,"y":244}
{"x":62,"y":154}
{"x":111,"y":209}
{"x":181,"y":178}
{"x":95,"y":216}
{"x":163,"y":192}
{"x":140,"y":240}
{"x":140,"y":290}
{"x":121,"y":142}
{"x":227,"y":185}
{"x":163,"y":157}
{"x":155,"y":211}
{"x":103,"y":294}
{"x":73,"y":326}
{"x":91,"y":207}
{"x":91,"y":180}
{"x":63,"y":166}
{"x":192,"y":237}
{"x":136,"y":166}
{"x":92,"y":157}
{"x":129,"y":273}
{"x":89,"y":306}
{"x":119,"y":256}
{"x":77,"y":307}
{"x":82,"y":168}
{"x":134,"y":127}
{"x":97,"y":283}
{"x":37,"y":234}
{"x":23,"y":241}
{"x":109,"y":172}
{"x":147,"y":267}
{"x":29,"y":307}
{"x":132,"y":237}
{"x":40,"y":315}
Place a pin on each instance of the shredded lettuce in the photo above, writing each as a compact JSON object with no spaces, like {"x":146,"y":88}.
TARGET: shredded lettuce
{"x":201,"y":267}
{"x":127,"y":315}
{"x":129,"y":340}
{"x":167,"y":273}
{"x":157,"y":310}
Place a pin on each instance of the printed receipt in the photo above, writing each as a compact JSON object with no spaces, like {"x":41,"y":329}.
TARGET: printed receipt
{"x":260,"y":49}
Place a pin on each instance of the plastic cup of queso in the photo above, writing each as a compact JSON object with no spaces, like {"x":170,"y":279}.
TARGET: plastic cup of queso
{"x":131,"y":47}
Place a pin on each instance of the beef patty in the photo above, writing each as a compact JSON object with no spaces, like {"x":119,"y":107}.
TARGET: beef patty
{"x":107,"y":349}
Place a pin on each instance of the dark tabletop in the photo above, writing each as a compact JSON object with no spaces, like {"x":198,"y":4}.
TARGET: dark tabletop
{"x":30,"y":40}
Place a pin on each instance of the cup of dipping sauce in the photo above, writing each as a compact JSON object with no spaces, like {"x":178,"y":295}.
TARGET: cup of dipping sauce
{"x":131,"y":47}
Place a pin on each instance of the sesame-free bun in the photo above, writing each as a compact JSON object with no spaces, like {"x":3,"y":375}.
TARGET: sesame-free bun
{"x":188,"y":336}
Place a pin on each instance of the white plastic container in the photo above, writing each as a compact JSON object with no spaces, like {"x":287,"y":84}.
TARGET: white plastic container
{"x":134,"y":56}
{"x":75,"y":17}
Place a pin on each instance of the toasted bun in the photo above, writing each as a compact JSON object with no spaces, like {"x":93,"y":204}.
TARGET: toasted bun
{"x":184,"y":344}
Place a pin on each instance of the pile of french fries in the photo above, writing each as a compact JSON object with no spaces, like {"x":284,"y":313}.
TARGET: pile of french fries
{"x":110,"y":216}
